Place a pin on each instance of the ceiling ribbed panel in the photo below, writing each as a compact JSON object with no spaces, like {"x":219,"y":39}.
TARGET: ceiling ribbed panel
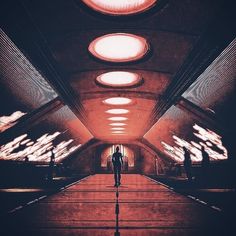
{"x":19,"y":76}
{"x":217,"y":81}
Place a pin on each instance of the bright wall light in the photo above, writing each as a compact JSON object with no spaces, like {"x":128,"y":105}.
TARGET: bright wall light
{"x":117,"y":124}
{"x":119,"y":47}
{"x":117,"y":101}
{"x":118,"y":118}
{"x":117,"y":111}
{"x":120,"y":7}
{"x":119,"y":79}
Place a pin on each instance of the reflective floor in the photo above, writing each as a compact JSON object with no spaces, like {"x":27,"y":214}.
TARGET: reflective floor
{"x":93,"y":206}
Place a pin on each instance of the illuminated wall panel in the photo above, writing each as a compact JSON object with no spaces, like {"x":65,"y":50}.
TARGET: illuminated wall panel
{"x":61,"y":130}
{"x":37,"y":150}
{"x":9,"y":121}
{"x":178,"y":128}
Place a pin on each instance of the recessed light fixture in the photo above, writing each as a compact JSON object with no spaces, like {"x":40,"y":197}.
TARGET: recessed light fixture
{"x":118,"y":132}
{"x":117,"y":101}
{"x":120,"y":7}
{"x":119,"y":79}
{"x":118,"y":118}
{"x":117,"y":124}
{"x":117,"y":111}
{"x":117,"y":128}
{"x":119,"y":47}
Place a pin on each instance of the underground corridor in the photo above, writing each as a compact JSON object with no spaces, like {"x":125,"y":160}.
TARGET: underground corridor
{"x":117,"y":117}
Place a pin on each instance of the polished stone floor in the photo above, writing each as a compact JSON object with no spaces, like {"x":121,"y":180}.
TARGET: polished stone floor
{"x":93,"y":206}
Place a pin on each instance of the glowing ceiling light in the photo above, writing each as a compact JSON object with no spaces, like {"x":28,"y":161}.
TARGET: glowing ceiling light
{"x":118,"y":118}
{"x":118,"y":132}
{"x":117,"y":124}
{"x":119,"y":47}
{"x":117,"y":101}
{"x":120,"y":7}
{"x":117,"y":128}
{"x":119,"y":79}
{"x":117,"y":111}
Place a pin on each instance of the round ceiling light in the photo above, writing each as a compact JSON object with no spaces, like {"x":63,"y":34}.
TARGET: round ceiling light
{"x":118,"y":132}
{"x":120,"y":7}
{"x":118,"y":118}
{"x":117,"y":128}
{"x":119,"y":47}
{"x":117,"y":124}
{"x":117,"y":111}
{"x":117,"y":101}
{"x":119,"y":79}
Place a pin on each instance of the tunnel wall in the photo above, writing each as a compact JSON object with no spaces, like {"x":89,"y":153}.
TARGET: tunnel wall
{"x":83,"y":162}
{"x":145,"y":162}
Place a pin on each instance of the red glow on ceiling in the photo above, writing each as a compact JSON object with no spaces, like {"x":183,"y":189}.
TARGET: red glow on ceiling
{"x":120,"y":7}
{"x":117,"y":111}
{"x":119,"y":79}
{"x":117,"y":124}
{"x":119,"y":47}
{"x":118,"y":118}
{"x":117,"y":101}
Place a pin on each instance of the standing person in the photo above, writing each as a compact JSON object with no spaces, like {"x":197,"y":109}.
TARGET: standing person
{"x":187,"y":164}
{"x":51,"y":166}
{"x":205,"y":161}
{"x":117,"y":161}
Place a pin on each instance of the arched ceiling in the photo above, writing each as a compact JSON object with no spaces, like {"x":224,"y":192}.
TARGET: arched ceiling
{"x":184,"y":37}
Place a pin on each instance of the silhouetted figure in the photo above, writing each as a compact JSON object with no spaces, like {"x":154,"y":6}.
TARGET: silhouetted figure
{"x":26,"y":159}
{"x":51,"y":166}
{"x":205,"y":162}
{"x":187,"y":164}
{"x":117,"y":162}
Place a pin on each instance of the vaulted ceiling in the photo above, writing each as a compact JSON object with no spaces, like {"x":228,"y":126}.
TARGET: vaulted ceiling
{"x":184,"y":38}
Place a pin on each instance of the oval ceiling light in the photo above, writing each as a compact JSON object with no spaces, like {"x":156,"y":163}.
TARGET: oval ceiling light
{"x":120,"y":7}
{"x":117,"y":101}
{"x":119,"y":47}
{"x":117,"y":111}
{"x":118,"y":118}
{"x":117,"y":128}
{"x":119,"y":79}
{"x":117,"y":124}
{"x":118,"y":132}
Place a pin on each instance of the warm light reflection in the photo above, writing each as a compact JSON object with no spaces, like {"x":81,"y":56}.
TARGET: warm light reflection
{"x":119,"y":79}
{"x":118,"y":118}
{"x":38,"y":150}
{"x":117,"y":101}
{"x":117,"y":111}
{"x":209,"y":139}
{"x":117,"y":124}
{"x":117,"y":128}
{"x":119,"y":47}
{"x":8,"y":121}
{"x":120,"y":7}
